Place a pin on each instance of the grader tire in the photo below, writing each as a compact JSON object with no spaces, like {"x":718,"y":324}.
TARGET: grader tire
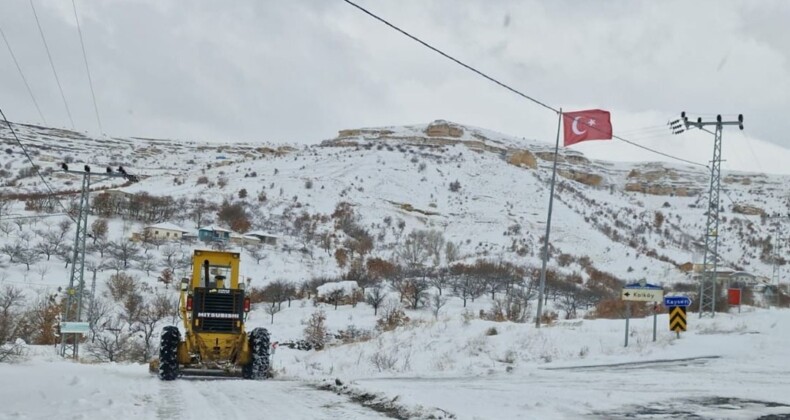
{"x":168,"y":353}
{"x":258,"y":368}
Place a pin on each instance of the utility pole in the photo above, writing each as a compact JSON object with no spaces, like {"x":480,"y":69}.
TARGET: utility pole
{"x":545,"y":256}
{"x":707,"y":289}
{"x":70,"y":341}
{"x":776,"y":268}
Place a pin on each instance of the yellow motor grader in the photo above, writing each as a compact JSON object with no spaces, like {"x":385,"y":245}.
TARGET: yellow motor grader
{"x":213,"y":307}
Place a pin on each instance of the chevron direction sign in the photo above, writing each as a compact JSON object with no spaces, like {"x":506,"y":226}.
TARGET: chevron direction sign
{"x":677,"y":318}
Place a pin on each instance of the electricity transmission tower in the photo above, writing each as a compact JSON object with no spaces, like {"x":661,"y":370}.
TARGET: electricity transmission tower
{"x":707,"y":289}
{"x":70,"y":342}
{"x":776,"y":273}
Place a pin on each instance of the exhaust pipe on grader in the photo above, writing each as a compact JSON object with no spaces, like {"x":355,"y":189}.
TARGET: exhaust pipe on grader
{"x":213,"y":308}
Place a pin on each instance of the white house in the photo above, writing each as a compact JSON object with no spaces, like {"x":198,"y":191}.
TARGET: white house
{"x":265,"y":237}
{"x":238,"y":239}
{"x":166,"y":231}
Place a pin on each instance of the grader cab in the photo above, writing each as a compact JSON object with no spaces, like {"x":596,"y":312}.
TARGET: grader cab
{"x":213,"y":308}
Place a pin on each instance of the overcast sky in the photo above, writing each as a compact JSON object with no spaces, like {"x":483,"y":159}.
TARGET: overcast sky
{"x":299,"y":71}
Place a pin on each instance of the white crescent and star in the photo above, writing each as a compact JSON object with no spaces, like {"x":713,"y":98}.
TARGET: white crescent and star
{"x":575,"y":126}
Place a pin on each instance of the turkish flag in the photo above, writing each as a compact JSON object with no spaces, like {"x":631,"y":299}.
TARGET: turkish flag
{"x":591,"y":124}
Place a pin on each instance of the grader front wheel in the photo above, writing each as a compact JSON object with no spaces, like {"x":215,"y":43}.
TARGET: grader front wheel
{"x":168,"y":353}
{"x":258,"y":367}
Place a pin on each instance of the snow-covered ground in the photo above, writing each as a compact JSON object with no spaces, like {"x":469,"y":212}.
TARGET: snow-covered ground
{"x":455,"y":362}
{"x":732,"y":366}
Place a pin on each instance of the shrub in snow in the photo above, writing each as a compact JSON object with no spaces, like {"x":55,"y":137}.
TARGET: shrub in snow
{"x":352,"y":334}
{"x":392,"y":316}
{"x":340,"y":292}
{"x":315,"y":331}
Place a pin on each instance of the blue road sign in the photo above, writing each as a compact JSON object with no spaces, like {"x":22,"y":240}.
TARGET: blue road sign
{"x":677,"y":301}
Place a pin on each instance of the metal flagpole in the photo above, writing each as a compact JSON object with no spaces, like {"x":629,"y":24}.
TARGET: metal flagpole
{"x":548,"y":225}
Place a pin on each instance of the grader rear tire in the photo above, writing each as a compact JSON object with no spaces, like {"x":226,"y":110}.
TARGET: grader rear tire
{"x":168,"y":353}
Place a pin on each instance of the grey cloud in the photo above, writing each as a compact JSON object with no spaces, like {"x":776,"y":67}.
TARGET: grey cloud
{"x":299,"y":71}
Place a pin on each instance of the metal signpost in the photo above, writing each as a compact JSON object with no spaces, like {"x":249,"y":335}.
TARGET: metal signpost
{"x":734,"y":297}
{"x":677,"y":312}
{"x":640,"y":292}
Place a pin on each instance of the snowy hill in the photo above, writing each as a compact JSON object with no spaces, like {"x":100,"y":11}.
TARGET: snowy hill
{"x":605,"y":211}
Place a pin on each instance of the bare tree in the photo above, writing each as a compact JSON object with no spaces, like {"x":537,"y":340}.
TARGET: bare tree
{"x":27,"y":256}
{"x":570,"y":296}
{"x":13,"y":251}
{"x":272,"y":308}
{"x":436,"y":303}
{"x":21,"y":223}
{"x":6,"y":228}
{"x":200,"y":209}
{"x":11,"y":300}
{"x":451,"y":252}
{"x":112,"y":343}
{"x":465,"y":284}
{"x":315,"y":331}
{"x":97,"y":315}
{"x":148,"y":317}
{"x":42,"y":271}
{"x":125,"y":251}
{"x":335,"y":296}
{"x":63,"y":228}
{"x":166,"y":305}
{"x":49,"y":245}
{"x":375,"y":297}
{"x":5,"y":205}
{"x":434,"y":242}
{"x":413,"y":252}
{"x":441,"y":279}
{"x":416,"y":291}
{"x":99,"y":229}
{"x":65,"y":254}
{"x":147,"y":265}
{"x":257,"y":252}
{"x":325,"y":240}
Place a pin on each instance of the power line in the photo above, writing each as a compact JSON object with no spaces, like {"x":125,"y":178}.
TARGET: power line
{"x":35,"y":167}
{"x":24,"y":79}
{"x":451,"y":58}
{"x":87,"y":68}
{"x":52,"y":64}
{"x":503,"y":85}
{"x":38,"y":216}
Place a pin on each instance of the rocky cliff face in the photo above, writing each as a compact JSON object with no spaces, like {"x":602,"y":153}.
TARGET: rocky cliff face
{"x":653,"y":179}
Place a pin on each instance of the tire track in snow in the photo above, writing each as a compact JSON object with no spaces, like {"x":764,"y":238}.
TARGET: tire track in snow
{"x":171,"y":401}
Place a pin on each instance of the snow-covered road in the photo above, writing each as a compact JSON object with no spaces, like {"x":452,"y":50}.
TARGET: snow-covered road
{"x":703,"y":388}
{"x":59,"y":389}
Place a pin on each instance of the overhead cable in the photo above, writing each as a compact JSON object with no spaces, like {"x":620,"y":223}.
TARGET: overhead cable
{"x":35,"y":167}
{"x":24,"y":79}
{"x":52,"y":64}
{"x":506,"y":86}
{"x":87,"y":68}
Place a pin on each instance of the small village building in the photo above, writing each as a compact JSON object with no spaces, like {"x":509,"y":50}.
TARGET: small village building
{"x":214,"y":234}
{"x":264,"y":237}
{"x":166,"y":231}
